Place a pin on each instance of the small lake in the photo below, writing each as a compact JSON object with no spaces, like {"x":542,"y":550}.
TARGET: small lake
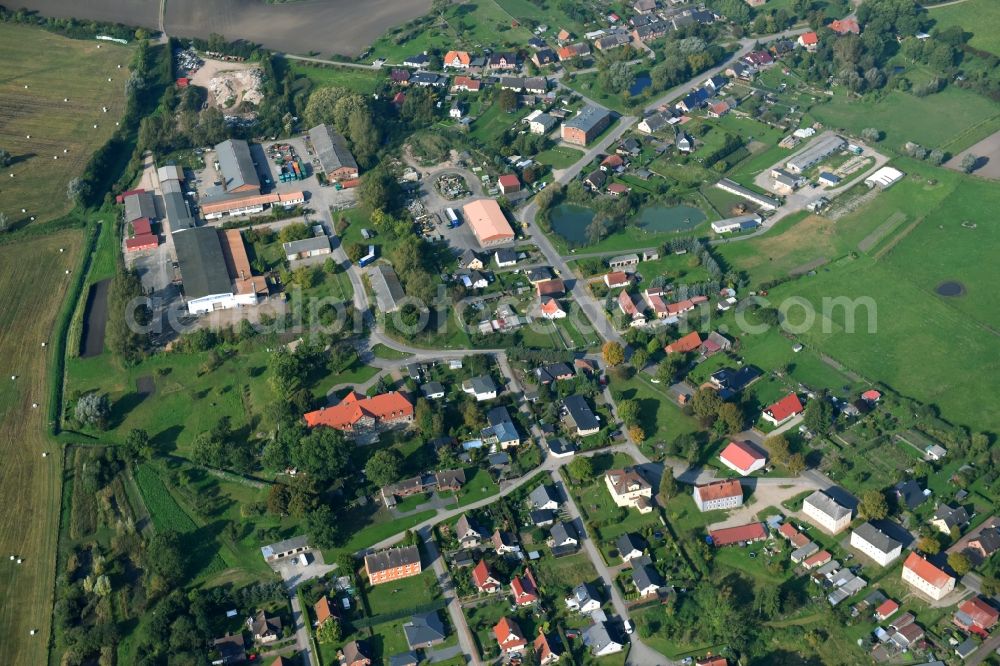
{"x":660,"y":219}
{"x":571,"y":221}
{"x":642,"y":81}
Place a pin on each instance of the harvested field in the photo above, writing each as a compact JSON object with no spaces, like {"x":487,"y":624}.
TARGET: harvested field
{"x":29,"y":484}
{"x":59,"y":69}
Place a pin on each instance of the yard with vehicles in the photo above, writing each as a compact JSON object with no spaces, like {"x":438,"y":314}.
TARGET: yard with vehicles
{"x":30,"y":483}
{"x":59,"y":106}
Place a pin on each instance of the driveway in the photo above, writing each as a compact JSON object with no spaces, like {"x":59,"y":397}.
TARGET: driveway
{"x":293,"y":575}
{"x":465,"y":641}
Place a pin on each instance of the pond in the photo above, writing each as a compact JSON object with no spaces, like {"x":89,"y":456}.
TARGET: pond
{"x":642,"y":81}
{"x":660,"y":219}
{"x":571,"y":221}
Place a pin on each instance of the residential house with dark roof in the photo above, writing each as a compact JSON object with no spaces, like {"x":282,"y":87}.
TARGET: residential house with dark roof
{"x":264,"y":629}
{"x":646,"y":578}
{"x":630,"y":546}
{"x":583,"y":599}
{"x":505,"y":542}
{"x":586,"y":125}
{"x":231,"y":649}
{"x":581,"y":416}
{"x":483,"y":387}
{"x":946,"y":518}
{"x":985,"y":543}
{"x":544,"y":497}
{"x":599,"y":641}
{"x":524,"y":589}
{"x":909,"y":494}
{"x":876,"y":544}
{"x":554,"y":372}
{"x":424,"y":630}
{"x":468,"y":533}
{"x":392,"y":564}
{"x":563,"y":538}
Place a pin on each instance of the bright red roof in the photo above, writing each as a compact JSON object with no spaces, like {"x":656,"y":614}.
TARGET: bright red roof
{"x":712,"y":661}
{"x":509,"y":180}
{"x":871,"y":395}
{"x":984,"y":615}
{"x":508,"y":633}
{"x":887,"y":608}
{"x":618,"y":188}
{"x":481,"y":575}
{"x":786,"y":530}
{"x":141,"y":242}
{"x":141,"y":226}
{"x":785,"y":408}
{"x":845,"y":26}
{"x":524,"y":588}
{"x":926,"y":570}
{"x":612,"y":161}
{"x":551,"y":306}
{"x":385,"y":406}
{"x":616,"y":278}
{"x":810,"y":38}
{"x":822,"y":557}
{"x":742,"y":454}
{"x":719,"y":490}
{"x":731,"y":535}
{"x":688,"y":343}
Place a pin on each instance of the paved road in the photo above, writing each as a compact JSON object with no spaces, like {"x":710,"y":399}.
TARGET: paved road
{"x":302,"y":643}
{"x":458,"y":621}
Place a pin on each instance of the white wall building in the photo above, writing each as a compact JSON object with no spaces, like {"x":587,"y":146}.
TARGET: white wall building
{"x":826,"y":512}
{"x":876,"y":544}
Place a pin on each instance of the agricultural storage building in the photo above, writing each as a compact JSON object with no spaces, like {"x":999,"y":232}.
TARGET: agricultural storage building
{"x":586,"y":125}
{"x":170,"y":172}
{"x":815,"y":153}
{"x":488,"y":222}
{"x":206,"y":281}
{"x":238,"y":171}
{"x":731,"y":186}
{"x":307,"y":247}
{"x":139,"y":205}
{"x":335,"y":157}
{"x":739,"y":223}
{"x":884,"y":177}
{"x":388,"y":290}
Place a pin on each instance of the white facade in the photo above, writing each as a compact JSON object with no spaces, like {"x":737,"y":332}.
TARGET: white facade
{"x":936,"y":592}
{"x":884,"y":177}
{"x":876,"y":553}
{"x":214,"y":302}
{"x":706,"y":498}
{"x":826,"y":513}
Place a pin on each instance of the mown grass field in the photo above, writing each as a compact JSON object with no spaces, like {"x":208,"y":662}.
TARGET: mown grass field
{"x":29,"y":485}
{"x":904,"y":117}
{"x":359,"y":80}
{"x":58,"y":68}
{"x":980,"y":17}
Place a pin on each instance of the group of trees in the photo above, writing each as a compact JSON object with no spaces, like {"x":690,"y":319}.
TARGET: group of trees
{"x":352,"y":115}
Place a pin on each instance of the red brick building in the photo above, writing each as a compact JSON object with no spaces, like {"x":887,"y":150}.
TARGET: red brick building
{"x":392,"y":564}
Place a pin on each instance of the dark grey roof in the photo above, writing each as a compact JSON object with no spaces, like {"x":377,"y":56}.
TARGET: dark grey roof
{"x":562,"y":532}
{"x":392,"y":558}
{"x":139,"y":205}
{"x":203,"y":267}
{"x":236,"y":164}
{"x":584,"y":592}
{"x":498,"y":415}
{"x":499,"y":459}
{"x":388,"y":290}
{"x":482,"y":384}
{"x":432,"y":388}
{"x":403,"y":659}
{"x":952,"y":517}
{"x":876,"y":537}
{"x":539,"y":274}
{"x":424,"y":628}
{"x":231,"y":648}
{"x":177,"y":211}
{"x":580,"y":413}
{"x":645,"y":576}
{"x":910,"y":493}
{"x":597,"y":637}
{"x":629,"y":542}
{"x":989,"y":538}
{"x":505,"y":255}
{"x":588,"y":118}
{"x":558,"y":445}
{"x":467,"y":258}
{"x":542,"y":495}
{"x":331,"y":149}
{"x":542,"y":516}
{"x":295,"y":543}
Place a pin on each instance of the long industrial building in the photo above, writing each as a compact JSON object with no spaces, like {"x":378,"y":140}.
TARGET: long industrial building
{"x":240,"y":191}
{"x":731,"y":186}
{"x":814,"y":153}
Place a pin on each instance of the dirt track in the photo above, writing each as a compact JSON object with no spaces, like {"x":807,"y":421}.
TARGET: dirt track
{"x":344,"y":27}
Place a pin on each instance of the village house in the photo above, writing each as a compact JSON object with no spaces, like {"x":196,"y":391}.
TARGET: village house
{"x":501,"y":430}
{"x":355,"y":653}
{"x":509,"y":636}
{"x":985,"y":543}
{"x":550,"y":309}
{"x":655,"y":122}
{"x":465,"y":84}
{"x":947,"y":518}
{"x":563,"y":539}
{"x":469,"y":534}
{"x":444,"y":481}
{"x":719,"y":495}
{"x":264,"y":629}
{"x":617,"y":190}
{"x":826,"y":512}
{"x":232,"y":649}
{"x":547,"y":649}
{"x":743,"y":458}
{"x":629,"y":308}
{"x":595,"y":180}
{"x":456,"y":60}
{"x":483,"y":387}
{"x":876,"y":544}
{"x":553,"y":288}
{"x":742,"y":534}
{"x":580,"y":416}
{"x":886,"y":610}
{"x":630,"y":547}
{"x":809,"y":41}
{"x":583,"y":599}
{"x":573,"y":51}
{"x":783,"y":411}
{"x":976,"y":616}
{"x":544,"y":497}
{"x":505,"y":543}
{"x":322,"y":611}
{"x":433,"y":390}
{"x":647,"y":580}
{"x":392,"y":564}
{"x":424,"y":630}
{"x":554,"y":372}
{"x":484,"y":580}
{"x":629,"y":489}
{"x":598,"y":639}
{"x":524,"y":589}
{"x":586,"y":125}
{"x":927,"y":578}
{"x":616,"y":279}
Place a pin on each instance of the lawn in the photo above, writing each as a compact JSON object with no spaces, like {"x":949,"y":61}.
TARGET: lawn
{"x":980,"y":17}
{"x":557,"y":576}
{"x":29,"y":485}
{"x":493,"y":122}
{"x":479,"y":485}
{"x":367,"y":530}
{"x":904,"y":117}
{"x":41,"y":70}
{"x":364,"y":81}
{"x":400,"y":595}
{"x":388,"y":353}
{"x":660,"y":417}
{"x":559,"y":157}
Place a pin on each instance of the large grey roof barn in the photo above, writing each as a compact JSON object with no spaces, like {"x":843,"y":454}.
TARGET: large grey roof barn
{"x":203,"y":267}
{"x":331,"y":149}
{"x":236,"y":165}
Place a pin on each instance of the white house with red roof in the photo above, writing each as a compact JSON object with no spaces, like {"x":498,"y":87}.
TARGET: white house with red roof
{"x":927,"y":578}
{"x":509,"y":183}
{"x":509,"y":636}
{"x":809,"y":41}
{"x":976,"y":616}
{"x":484,"y":579}
{"x":783,"y":411}
{"x":616,"y":279}
{"x":743,"y":458}
{"x":550,"y":309}
{"x":886,"y":610}
{"x":524,"y":589}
